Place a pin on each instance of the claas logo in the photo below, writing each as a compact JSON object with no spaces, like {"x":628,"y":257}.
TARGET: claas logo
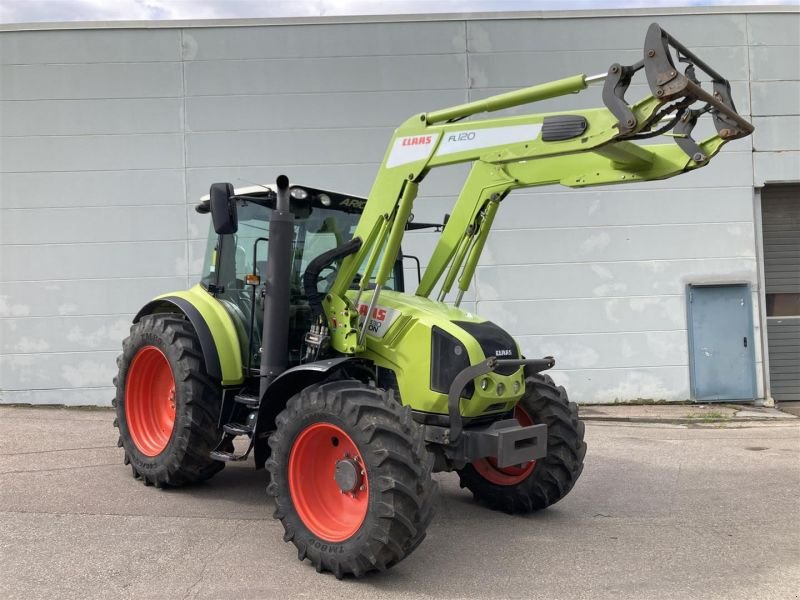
{"x":419,"y":140}
{"x":378,"y":314}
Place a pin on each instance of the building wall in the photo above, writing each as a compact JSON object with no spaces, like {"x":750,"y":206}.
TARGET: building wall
{"x":109,"y":136}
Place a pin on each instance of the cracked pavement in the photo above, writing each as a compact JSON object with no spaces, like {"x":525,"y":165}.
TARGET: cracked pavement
{"x":661,"y":511}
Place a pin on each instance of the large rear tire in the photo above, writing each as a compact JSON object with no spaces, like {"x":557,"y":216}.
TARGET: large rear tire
{"x":540,"y":483}
{"x":351,"y":478}
{"x":167,"y":405}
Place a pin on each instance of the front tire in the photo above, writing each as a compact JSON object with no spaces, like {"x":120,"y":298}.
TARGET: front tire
{"x":351,"y":478}
{"x":540,"y":483}
{"x":167,"y":405}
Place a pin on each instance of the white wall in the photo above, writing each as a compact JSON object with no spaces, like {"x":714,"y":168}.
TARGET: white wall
{"x":108,"y":137}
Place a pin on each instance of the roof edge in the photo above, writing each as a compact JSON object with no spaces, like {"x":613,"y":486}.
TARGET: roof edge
{"x":400,"y":18}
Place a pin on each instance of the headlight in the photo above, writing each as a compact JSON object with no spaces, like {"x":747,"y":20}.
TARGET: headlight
{"x":298,"y":193}
{"x":448,"y":358}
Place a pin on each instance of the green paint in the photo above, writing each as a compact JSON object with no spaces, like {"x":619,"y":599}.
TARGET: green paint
{"x":536,"y":93}
{"x":222,"y":330}
{"x":406,"y":349}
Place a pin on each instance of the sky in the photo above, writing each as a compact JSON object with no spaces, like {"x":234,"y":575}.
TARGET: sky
{"x":24,"y":11}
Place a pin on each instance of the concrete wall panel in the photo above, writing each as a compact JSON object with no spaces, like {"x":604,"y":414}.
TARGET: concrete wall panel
{"x":776,"y":167}
{"x":559,"y":207}
{"x":774,"y":30}
{"x":91,"y":153}
{"x":278,"y":148}
{"x":774,"y":63}
{"x":326,"y":75}
{"x":30,"y":335}
{"x":608,"y":279}
{"x":99,"y":396}
{"x":67,"y":370}
{"x":42,"y":262}
{"x":89,"y":46}
{"x":630,"y":243}
{"x":61,"y":297}
{"x":313,"y":41}
{"x":610,"y":350}
{"x":95,"y":224}
{"x":777,"y":133}
{"x":86,"y":117}
{"x":93,"y":80}
{"x":568,"y":35}
{"x":587,"y":315}
{"x":308,"y":111}
{"x":528,"y":68}
{"x":91,"y":188}
{"x":776,"y":98}
{"x":624,"y":385}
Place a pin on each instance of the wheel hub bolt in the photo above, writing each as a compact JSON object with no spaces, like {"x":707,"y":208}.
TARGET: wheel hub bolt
{"x":347,"y":475}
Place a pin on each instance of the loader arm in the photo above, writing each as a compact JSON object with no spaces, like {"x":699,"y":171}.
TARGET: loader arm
{"x":573,"y":148}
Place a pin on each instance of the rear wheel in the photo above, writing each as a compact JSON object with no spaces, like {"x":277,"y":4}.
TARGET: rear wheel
{"x":539,"y":483}
{"x":351,"y":478}
{"x":167,"y":406}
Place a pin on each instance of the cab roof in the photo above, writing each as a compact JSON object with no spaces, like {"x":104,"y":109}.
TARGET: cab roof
{"x":298,"y":192}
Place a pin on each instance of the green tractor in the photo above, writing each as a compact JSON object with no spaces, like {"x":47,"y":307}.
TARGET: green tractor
{"x":302,"y":341}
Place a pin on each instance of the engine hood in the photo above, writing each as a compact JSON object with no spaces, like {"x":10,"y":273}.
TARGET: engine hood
{"x":426,"y":343}
{"x":396,"y":311}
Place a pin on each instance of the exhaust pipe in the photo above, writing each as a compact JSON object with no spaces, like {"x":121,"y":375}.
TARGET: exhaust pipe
{"x":275,"y":332}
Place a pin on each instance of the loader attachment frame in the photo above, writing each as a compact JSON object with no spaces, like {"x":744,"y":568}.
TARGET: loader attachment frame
{"x":667,"y":83}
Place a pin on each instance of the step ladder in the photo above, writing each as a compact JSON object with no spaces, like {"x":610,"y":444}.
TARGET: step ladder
{"x":225,"y":451}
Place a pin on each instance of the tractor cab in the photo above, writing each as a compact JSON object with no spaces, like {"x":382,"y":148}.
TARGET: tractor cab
{"x":234,"y":267}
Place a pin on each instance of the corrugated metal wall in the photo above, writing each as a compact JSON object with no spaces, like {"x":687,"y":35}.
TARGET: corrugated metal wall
{"x":780,"y":205}
{"x":110,"y":136}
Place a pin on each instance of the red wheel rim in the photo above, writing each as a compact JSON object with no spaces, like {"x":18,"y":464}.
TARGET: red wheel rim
{"x":327,"y":511}
{"x":150,"y":401}
{"x":514,"y":474}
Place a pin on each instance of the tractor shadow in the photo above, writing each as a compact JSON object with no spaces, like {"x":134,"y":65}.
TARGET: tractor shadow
{"x":238,"y":483}
{"x":472,"y":543}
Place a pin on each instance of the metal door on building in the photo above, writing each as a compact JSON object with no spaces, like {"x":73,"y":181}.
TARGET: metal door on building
{"x":780,"y":226}
{"x":721,"y":356}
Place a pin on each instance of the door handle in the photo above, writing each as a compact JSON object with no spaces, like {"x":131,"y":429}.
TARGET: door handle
{"x":745,"y":341}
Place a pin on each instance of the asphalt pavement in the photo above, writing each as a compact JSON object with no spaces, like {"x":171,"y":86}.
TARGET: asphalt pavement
{"x":663,"y":510}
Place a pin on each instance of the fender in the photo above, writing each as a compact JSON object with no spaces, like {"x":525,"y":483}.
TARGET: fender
{"x":286,"y":385}
{"x":214,"y":327}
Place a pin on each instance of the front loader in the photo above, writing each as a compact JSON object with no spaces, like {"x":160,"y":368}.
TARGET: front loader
{"x":301,"y":345}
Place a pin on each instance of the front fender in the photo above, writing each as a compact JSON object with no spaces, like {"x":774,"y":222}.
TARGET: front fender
{"x":214,"y":327}
{"x":286,"y":385}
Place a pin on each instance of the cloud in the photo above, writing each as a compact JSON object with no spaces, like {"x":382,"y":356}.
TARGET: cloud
{"x":28,"y":11}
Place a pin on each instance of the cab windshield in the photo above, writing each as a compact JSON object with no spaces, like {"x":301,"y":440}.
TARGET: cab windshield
{"x":230,"y":259}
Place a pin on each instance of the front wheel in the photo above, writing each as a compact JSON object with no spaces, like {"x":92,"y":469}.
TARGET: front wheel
{"x":351,"y":478}
{"x":539,"y":483}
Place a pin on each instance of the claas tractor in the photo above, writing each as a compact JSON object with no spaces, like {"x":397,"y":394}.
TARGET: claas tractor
{"x":302,"y":343}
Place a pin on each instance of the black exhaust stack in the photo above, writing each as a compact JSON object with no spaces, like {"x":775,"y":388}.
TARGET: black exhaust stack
{"x":275,"y":334}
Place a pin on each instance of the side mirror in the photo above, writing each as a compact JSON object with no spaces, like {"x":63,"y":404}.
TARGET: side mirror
{"x":223,"y":208}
